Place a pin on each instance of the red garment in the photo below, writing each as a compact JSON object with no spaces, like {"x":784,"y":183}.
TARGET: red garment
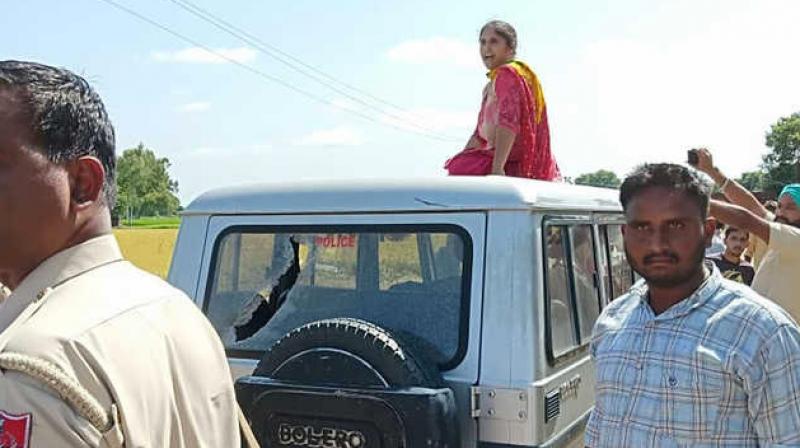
{"x":508,"y":101}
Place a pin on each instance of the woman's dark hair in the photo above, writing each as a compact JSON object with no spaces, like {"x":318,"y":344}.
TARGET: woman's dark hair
{"x":670,"y":176}
{"x":66,"y":116}
{"x":505,"y":30}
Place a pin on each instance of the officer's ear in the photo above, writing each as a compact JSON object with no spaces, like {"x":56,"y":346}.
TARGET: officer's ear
{"x":87,"y":177}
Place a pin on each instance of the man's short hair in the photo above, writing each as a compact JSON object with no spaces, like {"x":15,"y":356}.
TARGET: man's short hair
{"x":670,"y":176}
{"x":67,"y":117}
{"x":731,"y":229}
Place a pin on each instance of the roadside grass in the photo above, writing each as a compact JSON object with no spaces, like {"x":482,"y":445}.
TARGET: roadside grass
{"x":152,"y":222}
{"x":149,"y":248}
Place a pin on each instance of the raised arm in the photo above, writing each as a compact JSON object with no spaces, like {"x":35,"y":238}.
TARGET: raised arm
{"x":732,"y":190}
{"x":741,"y":218}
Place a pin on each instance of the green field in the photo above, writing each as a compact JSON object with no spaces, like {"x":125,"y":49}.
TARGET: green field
{"x":148,"y":248}
{"x":153,"y":222}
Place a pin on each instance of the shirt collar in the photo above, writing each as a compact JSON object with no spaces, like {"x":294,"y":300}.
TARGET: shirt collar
{"x":57,"y":269}
{"x":698,"y":298}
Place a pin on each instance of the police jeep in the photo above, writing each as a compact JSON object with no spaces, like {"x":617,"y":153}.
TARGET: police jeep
{"x":453,"y":312}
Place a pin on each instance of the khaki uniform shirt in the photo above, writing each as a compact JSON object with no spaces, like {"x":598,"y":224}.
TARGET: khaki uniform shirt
{"x":128,"y":338}
{"x":778,"y":274}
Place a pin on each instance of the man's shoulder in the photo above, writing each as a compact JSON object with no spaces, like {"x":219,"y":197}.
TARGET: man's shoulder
{"x":739,"y":302}
{"x":783,"y":237}
{"x":119,"y":284}
{"x":617,"y":312}
{"x":102,"y":297}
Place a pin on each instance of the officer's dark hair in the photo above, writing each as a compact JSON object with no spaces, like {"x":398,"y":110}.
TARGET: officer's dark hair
{"x":670,"y":176}
{"x":67,"y":117}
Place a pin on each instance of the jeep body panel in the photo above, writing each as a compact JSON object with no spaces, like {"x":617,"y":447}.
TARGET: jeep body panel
{"x":509,"y":389}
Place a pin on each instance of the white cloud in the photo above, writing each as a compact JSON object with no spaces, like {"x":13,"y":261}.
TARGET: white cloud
{"x":437,"y":50}
{"x":433,"y":120}
{"x":650,"y":99}
{"x":346,"y":104}
{"x":422,"y":119}
{"x":197,"y":106}
{"x":203,"y":151}
{"x":340,"y":136}
{"x":214,"y":152}
{"x":197,"y":55}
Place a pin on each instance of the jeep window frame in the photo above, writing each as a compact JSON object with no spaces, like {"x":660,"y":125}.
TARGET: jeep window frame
{"x":599,"y":223}
{"x":275,"y":229}
{"x":568,"y":222}
{"x":602,"y":228}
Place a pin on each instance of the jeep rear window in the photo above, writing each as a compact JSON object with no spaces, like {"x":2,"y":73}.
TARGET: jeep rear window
{"x":413,"y":281}
{"x":621,"y":277}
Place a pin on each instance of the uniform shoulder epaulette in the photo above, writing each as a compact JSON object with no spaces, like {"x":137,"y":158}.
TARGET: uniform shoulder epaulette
{"x":78,"y":398}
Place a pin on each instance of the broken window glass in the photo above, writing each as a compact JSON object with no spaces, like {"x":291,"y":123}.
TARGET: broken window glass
{"x":413,"y":283}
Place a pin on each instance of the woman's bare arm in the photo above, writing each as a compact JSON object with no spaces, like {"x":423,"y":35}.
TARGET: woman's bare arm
{"x":503,"y":141}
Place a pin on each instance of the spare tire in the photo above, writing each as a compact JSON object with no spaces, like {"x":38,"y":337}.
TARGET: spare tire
{"x":350,"y":353}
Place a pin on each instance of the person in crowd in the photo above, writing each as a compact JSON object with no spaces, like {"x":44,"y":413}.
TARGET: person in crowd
{"x":777,"y":274}
{"x":686,"y":357}
{"x":94,"y":352}
{"x":731,"y":262}
{"x":717,"y":246}
{"x":512,"y":136}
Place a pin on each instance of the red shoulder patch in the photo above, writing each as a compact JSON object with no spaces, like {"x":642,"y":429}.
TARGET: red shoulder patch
{"x":15,"y":430}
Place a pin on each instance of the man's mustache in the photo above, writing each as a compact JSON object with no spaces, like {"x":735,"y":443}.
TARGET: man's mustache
{"x":670,"y":255}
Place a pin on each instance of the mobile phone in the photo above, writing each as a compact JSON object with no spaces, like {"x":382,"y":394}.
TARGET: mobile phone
{"x":692,"y":157}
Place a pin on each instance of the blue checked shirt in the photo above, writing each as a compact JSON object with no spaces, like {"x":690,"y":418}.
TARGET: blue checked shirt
{"x":718,"y":369}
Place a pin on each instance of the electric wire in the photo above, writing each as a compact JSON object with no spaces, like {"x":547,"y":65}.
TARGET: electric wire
{"x":267,"y":76}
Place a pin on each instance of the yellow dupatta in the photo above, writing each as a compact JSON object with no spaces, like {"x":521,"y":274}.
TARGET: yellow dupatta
{"x":530,"y":77}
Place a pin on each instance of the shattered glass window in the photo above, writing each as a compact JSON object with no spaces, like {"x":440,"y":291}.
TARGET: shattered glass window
{"x":412,"y":282}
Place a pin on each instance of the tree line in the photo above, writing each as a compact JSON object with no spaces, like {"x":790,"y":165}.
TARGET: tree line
{"x":144,"y":186}
{"x":779,"y":166}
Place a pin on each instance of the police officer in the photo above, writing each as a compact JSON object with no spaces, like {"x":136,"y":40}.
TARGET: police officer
{"x":93,"y":351}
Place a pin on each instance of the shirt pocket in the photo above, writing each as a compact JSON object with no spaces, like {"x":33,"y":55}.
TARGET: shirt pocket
{"x":616,"y":378}
{"x":694,"y":394}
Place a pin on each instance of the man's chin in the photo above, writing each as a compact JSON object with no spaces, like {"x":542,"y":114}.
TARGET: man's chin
{"x":661,"y":281}
{"x":660,"y":277}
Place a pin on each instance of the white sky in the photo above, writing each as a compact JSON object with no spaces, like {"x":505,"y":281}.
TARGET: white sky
{"x":626,"y":81}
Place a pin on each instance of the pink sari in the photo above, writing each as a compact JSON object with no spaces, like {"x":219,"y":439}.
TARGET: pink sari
{"x":514,"y":101}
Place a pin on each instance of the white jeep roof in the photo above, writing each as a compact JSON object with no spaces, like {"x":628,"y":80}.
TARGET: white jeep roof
{"x":440,"y":194}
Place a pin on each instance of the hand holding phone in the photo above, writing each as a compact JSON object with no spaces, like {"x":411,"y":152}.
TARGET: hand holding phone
{"x":692,"y":158}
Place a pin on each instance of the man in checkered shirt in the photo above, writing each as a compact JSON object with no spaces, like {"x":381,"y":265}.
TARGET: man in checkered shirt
{"x":686,"y":357}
